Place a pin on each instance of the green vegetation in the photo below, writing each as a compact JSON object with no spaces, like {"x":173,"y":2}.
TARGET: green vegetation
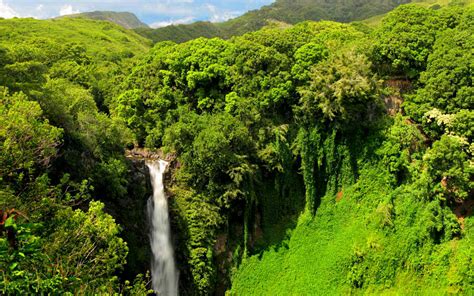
{"x":125,"y":19}
{"x":290,"y":175}
{"x":295,"y":105}
{"x":181,"y":33}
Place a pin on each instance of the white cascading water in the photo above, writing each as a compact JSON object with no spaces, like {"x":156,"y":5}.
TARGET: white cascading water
{"x":163,"y":269}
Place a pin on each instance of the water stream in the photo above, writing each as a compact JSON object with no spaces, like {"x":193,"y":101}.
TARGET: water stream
{"x":163,"y":268}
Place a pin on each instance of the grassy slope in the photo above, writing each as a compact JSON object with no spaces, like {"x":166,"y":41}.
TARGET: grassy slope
{"x":311,"y":260}
{"x":93,"y":35}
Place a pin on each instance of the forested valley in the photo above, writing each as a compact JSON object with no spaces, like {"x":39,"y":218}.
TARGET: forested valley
{"x":305,"y":157}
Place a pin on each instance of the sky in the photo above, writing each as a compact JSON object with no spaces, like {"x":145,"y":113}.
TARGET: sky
{"x":156,"y":13}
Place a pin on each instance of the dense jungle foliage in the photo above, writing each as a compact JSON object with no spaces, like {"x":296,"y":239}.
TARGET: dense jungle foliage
{"x":315,"y":159}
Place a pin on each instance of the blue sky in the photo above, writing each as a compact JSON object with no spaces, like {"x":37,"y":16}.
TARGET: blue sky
{"x":153,"y":12}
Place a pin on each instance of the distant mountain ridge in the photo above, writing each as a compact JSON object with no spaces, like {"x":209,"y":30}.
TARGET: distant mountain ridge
{"x":281,"y":11}
{"x":287,"y":11}
{"x":127,"y":20}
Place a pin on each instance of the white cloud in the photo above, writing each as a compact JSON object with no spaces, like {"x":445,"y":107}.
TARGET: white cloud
{"x":67,"y":9}
{"x":6,"y":11}
{"x":176,"y":10}
{"x":220,"y":16}
{"x":185,"y":20}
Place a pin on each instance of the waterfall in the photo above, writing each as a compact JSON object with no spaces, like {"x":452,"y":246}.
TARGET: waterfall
{"x":163,"y":268}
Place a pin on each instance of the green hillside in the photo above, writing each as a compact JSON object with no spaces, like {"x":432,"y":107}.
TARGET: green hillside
{"x":369,"y":12}
{"x":125,"y":19}
{"x":288,"y":11}
{"x":182,"y":33}
{"x":93,"y":35}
